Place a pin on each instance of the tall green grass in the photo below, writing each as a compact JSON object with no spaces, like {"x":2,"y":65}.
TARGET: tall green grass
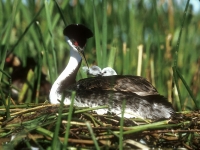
{"x":34,"y":29}
{"x":119,"y":28}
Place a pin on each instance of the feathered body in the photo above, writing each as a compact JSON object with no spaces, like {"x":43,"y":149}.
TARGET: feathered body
{"x":141,"y":97}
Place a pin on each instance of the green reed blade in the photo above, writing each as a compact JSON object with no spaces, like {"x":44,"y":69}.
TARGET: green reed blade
{"x":111,"y":58}
{"x":56,"y":142}
{"x":93,"y":136}
{"x":121,"y":126}
{"x":48,"y":10}
{"x":67,"y":131}
{"x":97,"y":38}
{"x":104,"y":32}
{"x":188,"y":89}
{"x":60,"y":12}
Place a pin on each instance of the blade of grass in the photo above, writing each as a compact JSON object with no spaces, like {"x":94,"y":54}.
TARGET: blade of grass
{"x":39,"y":70}
{"x":26,"y":30}
{"x":67,"y":131}
{"x":6,"y":102}
{"x":111,"y":58}
{"x":180,"y":33}
{"x":137,"y":144}
{"x":48,"y":13}
{"x":93,"y":136}
{"x":26,"y":87}
{"x":126,"y":59}
{"x":176,"y":55}
{"x":46,"y":52}
{"x":156,"y":125}
{"x":55,"y":142}
{"x":97,"y":38}
{"x":60,"y":12}
{"x":121,"y":126}
{"x":44,"y":132}
{"x":3,"y":57}
{"x":140,"y":53}
{"x":77,"y":11}
{"x":7,"y":35}
{"x":104,"y":37}
{"x":188,"y":89}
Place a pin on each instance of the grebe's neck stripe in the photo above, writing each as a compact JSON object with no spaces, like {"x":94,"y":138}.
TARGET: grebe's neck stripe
{"x":69,"y":80}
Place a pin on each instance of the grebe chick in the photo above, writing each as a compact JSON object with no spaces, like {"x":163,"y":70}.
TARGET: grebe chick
{"x":108,"y":71}
{"x":93,"y":70}
{"x":141,"y":97}
{"x":96,"y":71}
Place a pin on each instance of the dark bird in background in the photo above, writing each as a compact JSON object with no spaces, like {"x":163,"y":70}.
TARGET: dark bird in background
{"x":19,"y":75}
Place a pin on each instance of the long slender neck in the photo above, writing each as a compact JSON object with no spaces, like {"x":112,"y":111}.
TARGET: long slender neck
{"x":67,"y":77}
{"x":72,"y":67}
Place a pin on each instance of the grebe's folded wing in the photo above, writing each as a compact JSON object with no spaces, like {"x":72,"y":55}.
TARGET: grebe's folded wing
{"x":125,"y":83}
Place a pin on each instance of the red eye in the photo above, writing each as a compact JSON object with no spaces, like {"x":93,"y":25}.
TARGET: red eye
{"x":8,"y":59}
{"x":75,"y":43}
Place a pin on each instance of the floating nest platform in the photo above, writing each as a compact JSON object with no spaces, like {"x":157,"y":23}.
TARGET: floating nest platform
{"x":44,"y":125}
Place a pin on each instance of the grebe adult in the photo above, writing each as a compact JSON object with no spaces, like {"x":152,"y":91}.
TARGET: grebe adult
{"x":96,"y":71}
{"x":142,"y":98}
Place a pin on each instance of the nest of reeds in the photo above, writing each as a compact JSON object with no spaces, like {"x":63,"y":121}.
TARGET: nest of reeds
{"x":46,"y":125}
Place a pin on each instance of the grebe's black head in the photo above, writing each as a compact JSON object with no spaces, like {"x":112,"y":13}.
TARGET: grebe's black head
{"x":77,"y":35}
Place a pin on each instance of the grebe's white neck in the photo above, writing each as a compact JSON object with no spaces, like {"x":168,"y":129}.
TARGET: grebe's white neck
{"x":68,"y":74}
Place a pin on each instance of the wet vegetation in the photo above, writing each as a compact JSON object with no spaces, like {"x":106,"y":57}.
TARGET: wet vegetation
{"x":158,"y":40}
